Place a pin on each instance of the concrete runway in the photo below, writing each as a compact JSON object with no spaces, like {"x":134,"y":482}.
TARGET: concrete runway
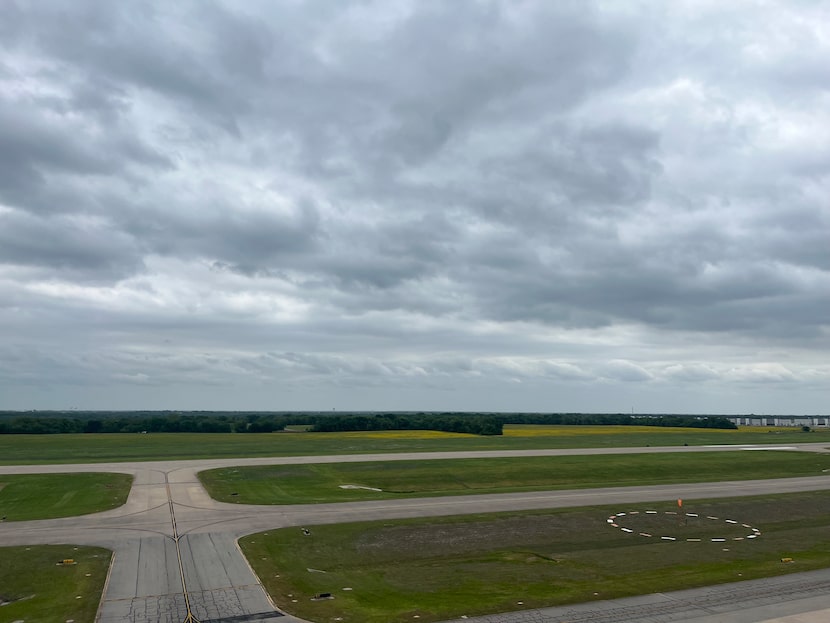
{"x":176,"y":557}
{"x":797,"y":598}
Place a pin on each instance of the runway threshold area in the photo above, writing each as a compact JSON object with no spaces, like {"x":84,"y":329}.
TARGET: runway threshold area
{"x":145,"y":584}
{"x":183,"y":578}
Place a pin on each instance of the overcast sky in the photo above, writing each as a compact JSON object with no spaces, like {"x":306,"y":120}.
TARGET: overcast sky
{"x":454,"y":205}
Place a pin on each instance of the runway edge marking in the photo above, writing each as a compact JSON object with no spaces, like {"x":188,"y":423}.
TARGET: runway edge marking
{"x":106,"y":586}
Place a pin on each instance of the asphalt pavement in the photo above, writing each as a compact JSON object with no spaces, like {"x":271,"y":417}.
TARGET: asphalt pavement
{"x":797,"y":598}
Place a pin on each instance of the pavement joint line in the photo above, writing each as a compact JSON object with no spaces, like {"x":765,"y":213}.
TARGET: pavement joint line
{"x":189,"y":618}
{"x":159,"y":596}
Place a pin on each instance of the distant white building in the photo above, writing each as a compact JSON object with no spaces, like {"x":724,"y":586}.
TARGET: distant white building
{"x":813,"y":421}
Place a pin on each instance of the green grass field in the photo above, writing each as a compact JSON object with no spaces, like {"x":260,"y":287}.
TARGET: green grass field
{"x":302,"y":484}
{"x":98,"y":448}
{"x":37,"y":589}
{"x":46,"y":496}
{"x":439,"y":569}
{"x":385,"y":587}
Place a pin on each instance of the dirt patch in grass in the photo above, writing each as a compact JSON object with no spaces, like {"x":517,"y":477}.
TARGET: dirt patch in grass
{"x":431,"y":539}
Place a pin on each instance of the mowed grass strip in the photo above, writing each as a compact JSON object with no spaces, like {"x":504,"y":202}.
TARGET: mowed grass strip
{"x":34,"y":588}
{"x":346,"y":482}
{"x":100,"y":448}
{"x":441,"y":569}
{"x":47,"y":496}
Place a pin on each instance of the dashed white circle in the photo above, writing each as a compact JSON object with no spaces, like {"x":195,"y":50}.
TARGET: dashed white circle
{"x":614,"y":522}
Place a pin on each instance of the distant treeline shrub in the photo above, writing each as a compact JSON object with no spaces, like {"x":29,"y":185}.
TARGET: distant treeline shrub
{"x":151,"y":422}
{"x":618,"y":419}
{"x":473,"y":424}
{"x":263,"y":422}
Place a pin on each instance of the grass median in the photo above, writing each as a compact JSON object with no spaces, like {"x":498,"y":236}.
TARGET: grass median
{"x":348,"y":482}
{"x":33,"y":587}
{"x":99,"y":448}
{"x":47,"y":496}
{"x":440,"y":569}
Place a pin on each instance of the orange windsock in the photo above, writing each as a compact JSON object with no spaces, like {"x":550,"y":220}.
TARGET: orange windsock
{"x":679,"y":503}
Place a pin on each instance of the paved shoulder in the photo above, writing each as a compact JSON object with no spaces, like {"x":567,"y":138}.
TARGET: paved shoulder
{"x":801,"y":596}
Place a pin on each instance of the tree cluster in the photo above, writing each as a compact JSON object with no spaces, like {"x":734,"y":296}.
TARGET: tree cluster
{"x":474,"y":424}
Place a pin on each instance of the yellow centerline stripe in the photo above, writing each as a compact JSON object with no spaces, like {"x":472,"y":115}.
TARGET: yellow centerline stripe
{"x":189,"y":618}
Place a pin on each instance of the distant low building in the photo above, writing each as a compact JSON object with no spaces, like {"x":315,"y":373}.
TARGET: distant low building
{"x":813,"y":421}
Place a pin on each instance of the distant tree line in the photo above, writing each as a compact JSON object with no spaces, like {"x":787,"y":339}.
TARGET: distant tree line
{"x":619,"y":419}
{"x":474,"y":424}
{"x":151,"y":422}
{"x":266,"y":422}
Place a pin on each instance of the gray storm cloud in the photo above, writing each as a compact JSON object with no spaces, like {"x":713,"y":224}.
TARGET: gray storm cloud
{"x":415,"y":205}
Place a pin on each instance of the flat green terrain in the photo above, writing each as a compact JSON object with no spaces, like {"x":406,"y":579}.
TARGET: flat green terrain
{"x":40,"y":591}
{"x":302,"y":484}
{"x":439,"y":569}
{"x":99,"y":448}
{"x":46,"y":496}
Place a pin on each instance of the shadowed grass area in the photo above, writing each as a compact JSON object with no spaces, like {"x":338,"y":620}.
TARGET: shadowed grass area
{"x":439,"y":569}
{"x":99,"y":448}
{"x":46,"y":496}
{"x":299,"y":484}
{"x":39,"y":590}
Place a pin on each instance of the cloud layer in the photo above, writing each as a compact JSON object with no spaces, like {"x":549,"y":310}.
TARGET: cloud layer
{"x":415,"y":205}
